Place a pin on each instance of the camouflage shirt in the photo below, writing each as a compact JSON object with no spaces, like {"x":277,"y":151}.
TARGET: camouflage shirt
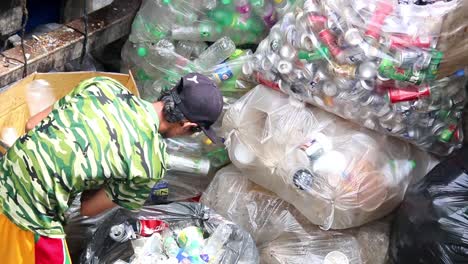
{"x":99,"y":135}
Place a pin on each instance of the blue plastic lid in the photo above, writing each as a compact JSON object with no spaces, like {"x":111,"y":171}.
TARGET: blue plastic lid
{"x":460,"y":73}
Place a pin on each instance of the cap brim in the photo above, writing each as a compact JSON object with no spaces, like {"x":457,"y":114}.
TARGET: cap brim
{"x":209,"y":132}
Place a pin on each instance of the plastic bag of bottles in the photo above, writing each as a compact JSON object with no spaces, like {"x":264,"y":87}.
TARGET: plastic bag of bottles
{"x":192,"y":163}
{"x":159,"y":66}
{"x":431,"y":224}
{"x":282,"y":234}
{"x":337,"y":174}
{"x":383,"y":64}
{"x":245,"y":21}
{"x":173,"y":233}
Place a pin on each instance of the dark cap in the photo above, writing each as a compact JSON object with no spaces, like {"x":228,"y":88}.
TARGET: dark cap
{"x":200,"y":100}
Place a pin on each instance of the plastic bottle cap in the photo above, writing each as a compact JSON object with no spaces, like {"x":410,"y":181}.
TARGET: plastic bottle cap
{"x":243,"y":154}
{"x":142,"y":51}
{"x":336,"y":257}
{"x":237,"y":53}
{"x":412,"y":164}
{"x":460,"y":73}
{"x":207,"y":141}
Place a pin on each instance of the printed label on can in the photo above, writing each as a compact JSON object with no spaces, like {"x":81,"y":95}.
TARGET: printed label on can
{"x":223,"y":73}
{"x":147,"y":227}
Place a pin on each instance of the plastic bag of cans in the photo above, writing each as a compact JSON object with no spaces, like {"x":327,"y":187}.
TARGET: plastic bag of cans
{"x":174,"y":233}
{"x":336,"y":174}
{"x":282,"y":234}
{"x":377,"y":62}
{"x":244,"y":21}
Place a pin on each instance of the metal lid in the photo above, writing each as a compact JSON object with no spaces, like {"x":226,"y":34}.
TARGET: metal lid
{"x":353,"y":37}
{"x":288,"y":52}
{"x":367,"y":70}
{"x":284,"y":67}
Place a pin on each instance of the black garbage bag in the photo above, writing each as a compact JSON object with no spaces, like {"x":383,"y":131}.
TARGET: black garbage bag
{"x":239,"y":249}
{"x":431,"y":226}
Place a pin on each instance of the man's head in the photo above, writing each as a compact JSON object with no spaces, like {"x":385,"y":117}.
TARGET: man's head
{"x":193,"y":105}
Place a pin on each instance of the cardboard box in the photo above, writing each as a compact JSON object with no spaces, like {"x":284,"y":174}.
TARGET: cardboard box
{"x":14,"y":110}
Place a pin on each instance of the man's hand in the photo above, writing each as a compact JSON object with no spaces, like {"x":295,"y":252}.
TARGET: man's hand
{"x":36,"y":119}
{"x":95,"y":202}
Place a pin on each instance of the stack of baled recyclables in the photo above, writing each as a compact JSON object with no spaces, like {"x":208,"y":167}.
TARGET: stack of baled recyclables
{"x":391,"y":69}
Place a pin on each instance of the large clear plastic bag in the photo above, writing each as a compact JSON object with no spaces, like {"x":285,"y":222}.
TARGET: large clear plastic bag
{"x":239,"y":248}
{"x":245,"y":21}
{"x":389,"y":66}
{"x":282,"y":234}
{"x":158,"y":66}
{"x":336,"y":174}
{"x":432,"y":222}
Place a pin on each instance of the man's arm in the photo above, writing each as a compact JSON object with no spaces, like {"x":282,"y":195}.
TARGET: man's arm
{"x":36,"y":119}
{"x":96,"y":203}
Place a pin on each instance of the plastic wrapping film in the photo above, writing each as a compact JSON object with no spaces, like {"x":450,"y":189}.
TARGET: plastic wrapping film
{"x":393,"y":67}
{"x":159,"y":66}
{"x":336,"y":174}
{"x":432,"y":222}
{"x":239,"y":247}
{"x":244,"y":21}
{"x":282,"y":234}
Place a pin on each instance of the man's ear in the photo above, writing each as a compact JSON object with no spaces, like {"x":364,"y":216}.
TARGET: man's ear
{"x":188,"y":125}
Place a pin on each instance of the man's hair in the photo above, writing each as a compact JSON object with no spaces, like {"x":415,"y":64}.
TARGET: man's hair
{"x":172,"y":114}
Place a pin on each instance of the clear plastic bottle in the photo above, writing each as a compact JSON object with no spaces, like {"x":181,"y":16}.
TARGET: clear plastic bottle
{"x":203,"y":31}
{"x":216,"y":53}
{"x":214,"y":244}
{"x":39,"y":96}
{"x":190,"y":164}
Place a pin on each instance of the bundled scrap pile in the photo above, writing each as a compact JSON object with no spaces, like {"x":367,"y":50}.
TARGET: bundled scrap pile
{"x":330,"y":125}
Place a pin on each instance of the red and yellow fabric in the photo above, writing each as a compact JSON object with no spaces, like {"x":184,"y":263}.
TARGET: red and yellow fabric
{"x":18,"y":246}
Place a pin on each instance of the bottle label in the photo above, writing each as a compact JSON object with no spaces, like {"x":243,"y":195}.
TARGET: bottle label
{"x":223,"y":73}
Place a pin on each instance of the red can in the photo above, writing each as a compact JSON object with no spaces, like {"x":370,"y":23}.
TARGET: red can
{"x":316,"y":21}
{"x":382,"y":10}
{"x":147,"y":227}
{"x":400,"y":41}
{"x":410,"y":93}
{"x":327,"y":37}
{"x":260,"y":79}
